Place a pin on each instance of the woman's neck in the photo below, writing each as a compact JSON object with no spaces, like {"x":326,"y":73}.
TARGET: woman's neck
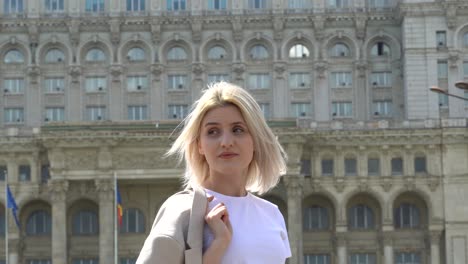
{"x":230,"y":186}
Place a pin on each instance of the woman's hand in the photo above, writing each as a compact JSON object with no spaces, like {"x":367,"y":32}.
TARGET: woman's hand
{"x":218,"y":221}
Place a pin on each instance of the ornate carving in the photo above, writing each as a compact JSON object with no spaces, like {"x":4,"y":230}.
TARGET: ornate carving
{"x":34,"y":72}
{"x":157,"y":70}
{"x":340,"y":240}
{"x":278,"y":26}
{"x":114,"y":25}
{"x":319,"y":26}
{"x":361,"y":67}
{"x":58,"y":190}
{"x":33,"y":33}
{"x":197,"y":28}
{"x":280,"y":68}
{"x":339,"y":184}
{"x":81,"y":160}
{"x":451,"y":16}
{"x":155,"y":30}
{"x":198,"y":69}
{"x":74,"y":29}
{"x":433,"y":183}
{"x":434,"y":236}
{"x":453,"y":59}
{"x":293,"y":185}
{"x":386,"y":184}
{"x":321,"y":67}
{"x":146,"y":160}
{"x":409,"y":184}
{"x":237,"y":28}
{"x":104,"y":188}
{"x":360,"y":22}
{"x":238,"y":69}
{"x":105,"y":158}
{"x":75,"y":73}
{"x":116,"y":71}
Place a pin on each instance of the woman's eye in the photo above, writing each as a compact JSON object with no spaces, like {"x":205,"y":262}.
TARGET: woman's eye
{"x":238,"y":130}
{"x":212,"y":132}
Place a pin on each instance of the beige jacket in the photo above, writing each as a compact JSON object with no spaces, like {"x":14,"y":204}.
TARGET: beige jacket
{"x":177,"y":233}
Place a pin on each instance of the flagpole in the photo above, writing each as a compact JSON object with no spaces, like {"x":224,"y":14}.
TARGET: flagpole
{"x":116,"y":245}
{"x":6,"y":216}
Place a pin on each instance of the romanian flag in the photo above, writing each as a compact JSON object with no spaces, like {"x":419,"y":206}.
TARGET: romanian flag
{"x":119,"y":205}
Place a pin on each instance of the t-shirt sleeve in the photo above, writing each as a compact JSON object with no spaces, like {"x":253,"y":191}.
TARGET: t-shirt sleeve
{"x":284,"y":234}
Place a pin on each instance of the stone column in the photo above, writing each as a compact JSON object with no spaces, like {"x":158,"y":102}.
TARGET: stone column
{"x":434,"y":237}
{"x":116,"y":93}
{"x":58,"y":192}
{"x":361,"y":94}
{"x":294,"y":189}
{"x":198,"y":69}
{"x":387,"y":244}
{"x":74,"y":94}
{"x":280,"y":92}
{"x":105,"y":190}
{"x":341,"y":248}
{"x":157,"y":93}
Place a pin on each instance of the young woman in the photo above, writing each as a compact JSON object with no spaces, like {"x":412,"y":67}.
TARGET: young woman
{"x":230,"y":153}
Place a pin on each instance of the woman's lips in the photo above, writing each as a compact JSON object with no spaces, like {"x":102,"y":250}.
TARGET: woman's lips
{"x":227,"y":155}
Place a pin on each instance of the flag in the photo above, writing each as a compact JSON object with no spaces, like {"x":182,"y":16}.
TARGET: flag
{"x":119,"y":205}
{"x":11,"y":203}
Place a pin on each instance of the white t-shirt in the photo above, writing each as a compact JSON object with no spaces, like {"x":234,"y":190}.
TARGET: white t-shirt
{"x":259,"y":232}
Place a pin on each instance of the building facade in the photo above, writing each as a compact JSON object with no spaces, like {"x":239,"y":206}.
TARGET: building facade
{"x":377,"y":169}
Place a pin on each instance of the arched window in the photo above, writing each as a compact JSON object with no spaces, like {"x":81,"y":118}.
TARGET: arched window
{"x":217,"y":53}
{"x":177,"y":54}
{"x":54,"y":55}
{"x":407,"y":216}
{"x":85,"y":222}
{"x":465,"y":40}
{"x":340,"y":50}
{"x":360,"y":217}
{"x":14,"y":56}
{"x":259,"y":52}
{"x":39,"y":223}
{"x":316,"y":218}
{"x":136,"y":54}
{"x":380,"y":49}
{"x":95,"y":55}
{"x":133,"y":221}
{"x":298,"y":51}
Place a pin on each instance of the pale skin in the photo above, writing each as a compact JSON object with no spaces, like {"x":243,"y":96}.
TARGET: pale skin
{"x":227,"y":146}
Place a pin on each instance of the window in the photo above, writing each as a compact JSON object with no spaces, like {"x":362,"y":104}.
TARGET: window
{"x":407,"y":258}
{"x":317,"y":259}
{"x":383,"y":108}
{"x":176,"y":54}
{"x":54,"y":55}
{"x":24,"y":172}
{"x":443,"y":100}
{"x":13,"y":86}
{"x":300,"y":109}
{"x":257,"y":4}
{"x":378,"y":3}
{"x":177,"y":111}
{"x":55,"y":114}
{"x":407,"y":216}
{"x":338,"y":3}
{"x":54,"y":5}
{"x":350,"y":165}
{"x":373,"y":167}
{"x":94,"y":6}
{"x":381,"y":79}
{"x":136,"y":54}
{"x":54,"y":85}
{"x":465,"y":40}
{"x":218,"y":77}
{"x":14,"y":56}
{"x":137,"y":112}
{"x":466,"y":96}
{"x":259,"y":81}
{"x":298,"y":51}
{"x":340,"y":50}
{"x":362,"y":258}
{"x":420,"y":165}
{"x":137,"y":83}
{"x":299,"y":80}
{"x":341,"y":80}
{"x":3,"y":172}
{"x":2,"y":227}
{"x":441,"y":39}
{"x":305,"y":167}
{"x":85,"y":261}
{"x":465,"y":69}
{"x":177,"y":82}
{"x":39,"y":223}
{"x":361,"y":217}
{"x":12,"y":6}
{"x":85,"y":222}
{"x":45,"y":173}
{"x":13,"y":115}
{"x":327,"y":167}
{"x":95,"y":55}
{"x":133,"y":221}
{"x":259,"y":52}
{"x":380,"y":49}
{"x":299,"y":4}
{"x":342,"y":109}
{"x":315,"y":218}
{"x":442,"y":70}
{"x":39,"y":261}
{"x":95,"y":84}
{"x":175,"y":5}
{"x":397,"y":166}
{"x":265,"y":107}
{"x":217,"y":4}
{"x":135,"y":5}
{"x":127,"y":260}
{"x":96,"y":113}
{"x":217,"y":53}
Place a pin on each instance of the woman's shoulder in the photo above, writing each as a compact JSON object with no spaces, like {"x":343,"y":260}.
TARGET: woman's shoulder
{"x":267,"y":205}
{"x":179,"y":202}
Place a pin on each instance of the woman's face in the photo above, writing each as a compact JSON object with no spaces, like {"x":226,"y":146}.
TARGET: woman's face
{"x":226,"y":142}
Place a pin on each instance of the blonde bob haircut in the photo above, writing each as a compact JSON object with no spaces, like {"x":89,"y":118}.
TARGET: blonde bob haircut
{"x":269,"y":159}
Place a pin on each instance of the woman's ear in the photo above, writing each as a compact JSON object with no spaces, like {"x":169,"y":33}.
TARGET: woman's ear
{"x":200,"y":149}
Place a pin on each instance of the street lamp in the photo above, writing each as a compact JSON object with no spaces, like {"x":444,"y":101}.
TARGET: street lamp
{"x":460,"y":84}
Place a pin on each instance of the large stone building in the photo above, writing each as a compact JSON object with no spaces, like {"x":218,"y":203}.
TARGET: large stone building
{"x":378,"y":169}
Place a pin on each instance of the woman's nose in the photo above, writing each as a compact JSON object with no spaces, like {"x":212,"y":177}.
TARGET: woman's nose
{"x":227,"y":140}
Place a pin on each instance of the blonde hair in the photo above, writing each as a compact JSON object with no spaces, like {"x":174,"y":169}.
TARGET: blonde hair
{"x":269,"y":159}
